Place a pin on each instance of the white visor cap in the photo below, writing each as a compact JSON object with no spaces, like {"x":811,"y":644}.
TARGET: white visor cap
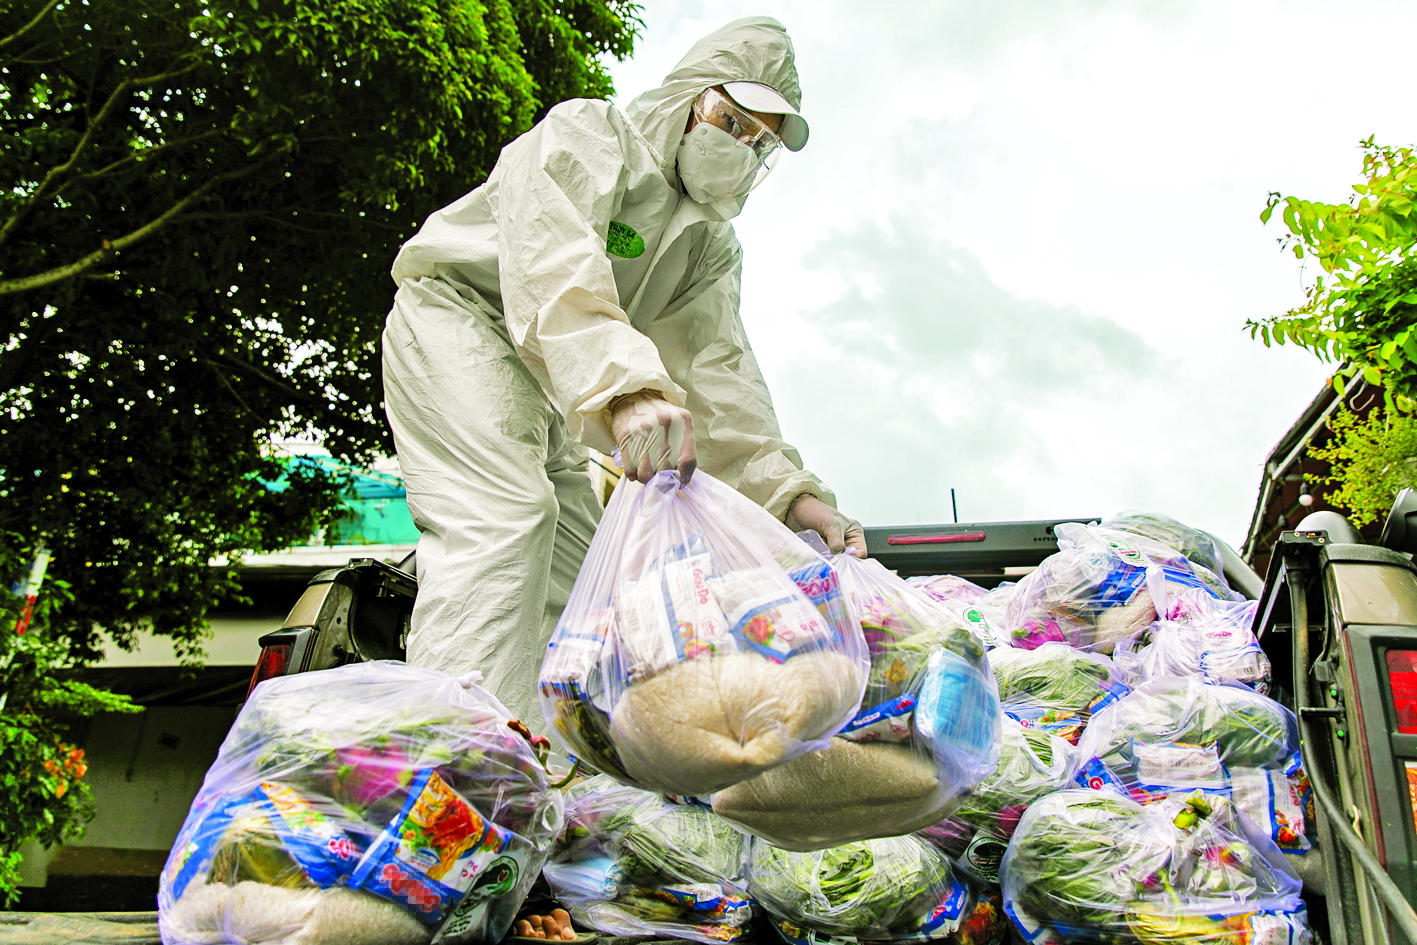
{"x":759,"y":98}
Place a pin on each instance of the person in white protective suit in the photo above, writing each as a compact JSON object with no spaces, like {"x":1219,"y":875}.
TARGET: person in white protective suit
{"x":586,"y":295}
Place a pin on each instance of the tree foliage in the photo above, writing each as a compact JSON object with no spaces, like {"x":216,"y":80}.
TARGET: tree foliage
{"x":200,"y":204}
{"x":1362,"y":309}
{"x":42,"y":792}
{"x":1371,"y":460}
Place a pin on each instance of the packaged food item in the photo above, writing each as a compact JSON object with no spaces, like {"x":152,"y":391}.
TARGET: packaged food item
{"x":925,"y":736}
{"x":1101,"y":585}
{"x":703,"y":643}
{"x":1055,"y":687}
{"x":894,"y":889}
{"x":374,"y":803}
{"x":1032,"y":764}
{"x":632,"y":863}
{"x":1090,"y":866}
{"x":1182,"y":734}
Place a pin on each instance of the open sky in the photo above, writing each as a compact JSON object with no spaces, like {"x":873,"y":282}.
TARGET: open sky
{"x":1017,"y":256}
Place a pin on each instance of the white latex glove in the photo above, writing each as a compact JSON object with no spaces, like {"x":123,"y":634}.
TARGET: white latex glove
{"x":653,"y":435}
{"x":839,"y":532}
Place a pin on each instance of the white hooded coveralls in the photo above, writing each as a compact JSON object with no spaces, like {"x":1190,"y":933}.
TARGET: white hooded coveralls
{"x":515,"y":326}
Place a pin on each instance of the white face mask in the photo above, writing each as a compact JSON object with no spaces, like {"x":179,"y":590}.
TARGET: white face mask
{"x":715,"y":168}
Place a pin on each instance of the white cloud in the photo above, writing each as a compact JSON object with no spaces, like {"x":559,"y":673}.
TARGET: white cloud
{"x":1018,"y":254}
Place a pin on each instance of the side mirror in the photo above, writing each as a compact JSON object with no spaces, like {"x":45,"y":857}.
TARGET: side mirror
{"x":1400,"y":531}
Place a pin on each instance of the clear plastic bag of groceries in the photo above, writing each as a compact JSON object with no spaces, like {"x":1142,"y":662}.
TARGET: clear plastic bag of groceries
{"x":1032,"y":764}
{"x":376,"y":803}
{"x":1205,"y":637}
{"x":944,"y":587}
{"x":633,"y":863}
{"x":1055,"y":687}
{"x":703,"y":642}
{"x":1180,"y":734}
{"x":1092,"y":866}
{"x":1197,"y":546}
{"x":892,"y":889}
{"x":926,"y":734}
{"x":1100,"y":586}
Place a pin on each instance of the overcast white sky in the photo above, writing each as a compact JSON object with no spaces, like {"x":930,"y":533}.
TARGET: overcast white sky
{"x":1018,"y":254}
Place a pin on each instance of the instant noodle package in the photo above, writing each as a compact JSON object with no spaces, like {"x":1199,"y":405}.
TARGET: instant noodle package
{"x":926,"y":734}
{"x":703,"y":643}
{"x":373,"y":803}
{"x":633,"y":863}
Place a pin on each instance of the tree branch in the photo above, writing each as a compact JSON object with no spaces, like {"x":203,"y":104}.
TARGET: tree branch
{"x":30,"y":25}
{"x":145,"y":154}
{"x":85,"y":140}
{"x":112,"y":247}
{"x":294,"y":393}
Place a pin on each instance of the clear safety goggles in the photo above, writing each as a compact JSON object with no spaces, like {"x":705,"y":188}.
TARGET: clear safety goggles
{"x":719,"y":110}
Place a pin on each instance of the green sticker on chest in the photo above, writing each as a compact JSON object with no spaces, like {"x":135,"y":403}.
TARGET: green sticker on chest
{"x":623,"y":242}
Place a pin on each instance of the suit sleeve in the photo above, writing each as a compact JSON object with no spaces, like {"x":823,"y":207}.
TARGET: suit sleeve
{"x":557,"y":187}
{"x":701,"y":339}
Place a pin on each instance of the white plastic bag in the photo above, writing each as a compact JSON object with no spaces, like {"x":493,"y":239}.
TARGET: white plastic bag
{"x":894,"y":889}
{"x":926,"y":734}
{"x":1091,"y":866}
{"x":374,"y":803}
{"x":1197,"y":546}
{"x":1101,"y":585}
{"x":943,"y":587}
{"x":631,"y":863}
{"x":1032,"y":764}
{"x":1175,"y":735}
{"x":703,"y":642}
{"x":1055,"y":687}
{"x":1216,"y":648}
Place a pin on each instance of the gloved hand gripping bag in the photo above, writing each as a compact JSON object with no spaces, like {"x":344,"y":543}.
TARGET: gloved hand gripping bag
{"x":1092,"y":866}
{"x":1176,"y":735}
{"x":703,"y":643}
{"x":1032,"y":764}
{"x":372,"y":803}
{"x":926,"y":734}
{"x":1100,"y":586}
{"x":632,"y":863}
{"x":891,"y":889}
{"x":1055,"y":688}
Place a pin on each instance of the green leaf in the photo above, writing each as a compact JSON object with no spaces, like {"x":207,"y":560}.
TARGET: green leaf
{"x":1373,"y":375}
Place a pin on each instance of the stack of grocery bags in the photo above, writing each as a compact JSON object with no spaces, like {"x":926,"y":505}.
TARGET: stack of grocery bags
{"x":773,"y":742}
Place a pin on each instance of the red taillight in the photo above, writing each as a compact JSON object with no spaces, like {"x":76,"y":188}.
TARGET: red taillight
{"x":274,"y":661}
{"x":1402,"y":677}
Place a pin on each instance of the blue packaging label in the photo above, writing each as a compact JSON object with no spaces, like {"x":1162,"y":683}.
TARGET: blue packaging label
{"x":1119,"y":585}
{"x":311,"y":837}
{"x":1113,"y":693}
{"x":1096,"y":776}
{"x":1187,"y":578}
{"x":889,"y":721}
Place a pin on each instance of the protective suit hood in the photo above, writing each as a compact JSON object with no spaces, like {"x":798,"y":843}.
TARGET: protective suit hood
{"x":753,"y":49}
